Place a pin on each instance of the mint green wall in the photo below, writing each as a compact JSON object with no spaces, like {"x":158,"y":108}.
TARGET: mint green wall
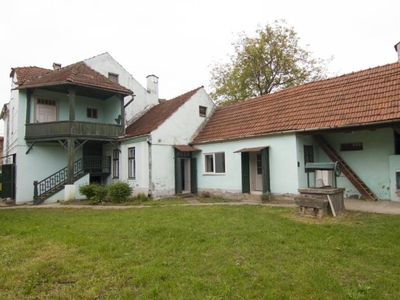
{"x":41,"y":162}
{"x":371,"y":164}
{"x":282,"y":159}
{"x":108,"y":109}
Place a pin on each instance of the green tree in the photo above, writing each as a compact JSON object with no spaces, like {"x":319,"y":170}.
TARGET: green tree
{"x":271,"y":61}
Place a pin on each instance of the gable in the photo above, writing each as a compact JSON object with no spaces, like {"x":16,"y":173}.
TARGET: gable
{"x":157,"y":115}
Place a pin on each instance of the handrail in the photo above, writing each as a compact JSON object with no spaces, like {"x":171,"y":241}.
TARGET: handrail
{"x":87,"y":164}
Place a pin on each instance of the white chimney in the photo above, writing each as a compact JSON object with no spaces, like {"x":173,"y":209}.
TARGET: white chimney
{"x":397,"y":48}
{"x":152,"y":85}
{"x":56,"y":66}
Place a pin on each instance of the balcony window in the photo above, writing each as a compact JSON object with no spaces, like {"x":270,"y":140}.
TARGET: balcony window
{"x":91,"y":113}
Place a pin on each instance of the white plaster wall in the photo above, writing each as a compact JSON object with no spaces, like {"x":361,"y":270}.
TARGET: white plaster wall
{"x":141,"y":183}
{"x":104,"y":64}
{"x":163,"y":170}
{"x":371,"y":164}
{"x":282,"y":159}
{"x":182,"y":126}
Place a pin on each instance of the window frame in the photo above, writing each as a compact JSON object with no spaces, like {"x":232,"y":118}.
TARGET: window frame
{"x":215,"y":165}
{"x":115,"y":168}
{"x":90,"y":112}
{"x":114,"y":77}
{"x":202,"y":111}
{"x":132,"y":162}
{"x":353,"y":146}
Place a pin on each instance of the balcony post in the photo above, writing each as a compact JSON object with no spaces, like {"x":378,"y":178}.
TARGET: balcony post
{"x":71,"y":160}
{"x":121,"y":97}
{"x":71,"y":95}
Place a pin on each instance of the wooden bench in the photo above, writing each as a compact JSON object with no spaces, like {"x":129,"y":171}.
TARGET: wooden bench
{"x":319,"y":206}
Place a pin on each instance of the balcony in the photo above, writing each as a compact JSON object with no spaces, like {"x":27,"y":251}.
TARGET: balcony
{"x":64,"y":129}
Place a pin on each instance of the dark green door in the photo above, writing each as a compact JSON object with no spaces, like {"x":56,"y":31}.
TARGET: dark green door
{"x":245,"y":172}
{"x":266,"y":185}
{"x":193,"y":175}
{"x":8,"y":181}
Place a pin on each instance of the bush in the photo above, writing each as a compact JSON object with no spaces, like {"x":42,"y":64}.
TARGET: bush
{"x":205,"y":194}
{"x":265,"y":197}
{"x":141,"y":197}
{"x":94,"y":192}
{"x":119,"y":191}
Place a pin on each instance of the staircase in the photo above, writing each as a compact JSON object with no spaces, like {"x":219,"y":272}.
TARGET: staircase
{"x":361,"y":187}
{"x":56,"y":182}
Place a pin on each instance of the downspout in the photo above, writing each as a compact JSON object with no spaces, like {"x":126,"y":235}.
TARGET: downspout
{"x":150,"y":191}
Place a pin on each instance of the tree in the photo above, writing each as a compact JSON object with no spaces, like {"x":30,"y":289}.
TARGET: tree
{"x":271,"y":61}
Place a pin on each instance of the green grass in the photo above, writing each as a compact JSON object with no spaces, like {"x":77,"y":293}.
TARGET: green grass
{"x":197,"y":252}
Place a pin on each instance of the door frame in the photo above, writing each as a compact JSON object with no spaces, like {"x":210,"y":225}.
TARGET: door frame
{"x":246,"y":175}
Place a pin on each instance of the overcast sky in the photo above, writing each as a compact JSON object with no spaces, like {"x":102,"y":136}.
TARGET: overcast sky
{"x":178,"y":40}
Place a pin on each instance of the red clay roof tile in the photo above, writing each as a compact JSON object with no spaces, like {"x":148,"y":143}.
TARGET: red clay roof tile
{"x":78,"y":73}
{"x":369,"y":96}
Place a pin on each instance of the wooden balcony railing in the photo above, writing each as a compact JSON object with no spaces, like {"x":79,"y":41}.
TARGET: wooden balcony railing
{"x":62,"y":129}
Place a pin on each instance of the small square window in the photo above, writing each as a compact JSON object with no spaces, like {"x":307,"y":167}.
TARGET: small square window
{"x":113,"y":77}
{"x":91,"y":113}
{"x":202,"y":111}
{"x":398,"y":180}
{"x":351,"y":146}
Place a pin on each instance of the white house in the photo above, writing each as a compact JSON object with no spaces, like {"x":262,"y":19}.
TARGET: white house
{"x":154,"y":156}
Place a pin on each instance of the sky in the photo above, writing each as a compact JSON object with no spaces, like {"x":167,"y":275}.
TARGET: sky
{"x":179,"y":40}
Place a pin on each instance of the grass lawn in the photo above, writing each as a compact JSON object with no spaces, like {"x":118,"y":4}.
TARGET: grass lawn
{"x":197,"y":252}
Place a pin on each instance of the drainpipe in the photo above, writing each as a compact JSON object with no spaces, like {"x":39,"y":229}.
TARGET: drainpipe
{"x":150,"y":166}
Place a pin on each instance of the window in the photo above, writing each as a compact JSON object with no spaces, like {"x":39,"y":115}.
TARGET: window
{"x":116,"y":163}
{"x":398,"y":180}
{"x":214,"y":162}
{"x":259,"y":164}
{"x":202,"y":111}
{"x":308,"y":154}
{"x":113,"y":77}
{"x":91,"y":113}
{"x":131,"y":163}
{"x":351,"y":146}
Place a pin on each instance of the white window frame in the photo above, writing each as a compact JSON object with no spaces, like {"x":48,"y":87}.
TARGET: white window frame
{"x":212,"y":169}
{"x":132,"y":163}
{"x":40,"y":99}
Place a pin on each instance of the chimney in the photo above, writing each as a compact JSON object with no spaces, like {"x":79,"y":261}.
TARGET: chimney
{"x":56,"y":66}
{"x":397,"y":48}
{"x":152,"y":84}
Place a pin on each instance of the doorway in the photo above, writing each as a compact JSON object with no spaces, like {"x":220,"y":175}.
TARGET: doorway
{"x":256,"y":171}
{"x":185,"y":169}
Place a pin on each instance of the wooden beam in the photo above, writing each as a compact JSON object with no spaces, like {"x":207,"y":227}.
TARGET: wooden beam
{"x":71,"y":160}
{"x":72,"y":96}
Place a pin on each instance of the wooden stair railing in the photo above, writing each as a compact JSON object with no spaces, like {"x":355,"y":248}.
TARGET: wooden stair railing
{"x":54,"y":183}
{"x":360,"y":185}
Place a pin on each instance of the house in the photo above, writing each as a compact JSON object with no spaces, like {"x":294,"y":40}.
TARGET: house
{"x":154,"y":156}
{"x":263,"y":144}
{"x":56,"y":126}
{"x":65,"y":127}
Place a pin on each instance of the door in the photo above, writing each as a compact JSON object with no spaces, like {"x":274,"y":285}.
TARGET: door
{"x":185,"y":178}
{"x":46,"y":110}
{"x":8,"y":181}
{"x":256,"y":171}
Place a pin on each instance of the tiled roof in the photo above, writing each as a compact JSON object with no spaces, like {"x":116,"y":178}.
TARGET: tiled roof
{"x":157,"y":115}
{"x":26,"y":73}
{"x":78,"y":73}
{"x":360,"y":98}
